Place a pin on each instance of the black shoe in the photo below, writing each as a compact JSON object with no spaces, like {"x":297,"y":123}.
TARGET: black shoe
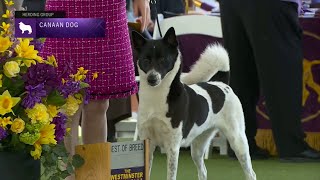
{"x":309,"y":155}
{"x":256,"y":154}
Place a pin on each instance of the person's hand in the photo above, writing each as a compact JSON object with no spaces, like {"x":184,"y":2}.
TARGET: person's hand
{"x":149,"y":26}
{"x":141,"y":7}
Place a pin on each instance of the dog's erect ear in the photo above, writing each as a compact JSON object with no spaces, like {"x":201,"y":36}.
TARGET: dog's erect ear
{"x":138,"y":40}
{"x":170,"y":37}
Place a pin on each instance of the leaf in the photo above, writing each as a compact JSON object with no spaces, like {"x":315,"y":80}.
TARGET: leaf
{"x":64,"y":174}
{"x":56,"y":99}
{"x":60,"y":151}
{"x":50,"y":159}
{"x":55,"y":177}
{"x":42,"y":40}
{"x":46,"y":148}
{"x":77,"y":161}
{"x":20,"y":112}
{"x":46,"y":171}
{"x":84,"y":85}
{"x":14,"y":85}
{"x":65,"y":160}
{"x":70,"y":168}
{"x":23,"y":69}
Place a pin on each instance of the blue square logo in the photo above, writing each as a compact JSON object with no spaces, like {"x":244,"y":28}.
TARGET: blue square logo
{"x":25,"y":27}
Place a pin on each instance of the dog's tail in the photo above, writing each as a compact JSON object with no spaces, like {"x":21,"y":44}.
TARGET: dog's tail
{"x":213,"y":65}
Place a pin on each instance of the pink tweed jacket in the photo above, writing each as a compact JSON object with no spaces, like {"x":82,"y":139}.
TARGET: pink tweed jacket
{"x":111,"y":56}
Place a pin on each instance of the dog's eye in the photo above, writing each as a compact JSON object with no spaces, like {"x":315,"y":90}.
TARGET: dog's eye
{"x":146,"y":60}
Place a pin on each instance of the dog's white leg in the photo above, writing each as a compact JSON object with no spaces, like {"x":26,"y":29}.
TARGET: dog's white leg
{"x":152,"y":148}
{"x":172,"y":162}
{"x":239,"y":143}
{"x":198,"y":148}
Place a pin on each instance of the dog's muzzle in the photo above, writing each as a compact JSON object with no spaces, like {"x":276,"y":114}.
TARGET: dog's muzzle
{"x":154,"y":78}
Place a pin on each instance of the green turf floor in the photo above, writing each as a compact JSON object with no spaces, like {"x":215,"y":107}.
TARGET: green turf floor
{"x":223,"y":168}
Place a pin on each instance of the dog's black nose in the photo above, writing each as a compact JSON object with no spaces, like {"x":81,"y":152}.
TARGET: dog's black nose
{"x":152,"y":80}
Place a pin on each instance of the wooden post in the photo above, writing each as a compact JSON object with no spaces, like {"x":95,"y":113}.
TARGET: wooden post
{"x":97,"y":161}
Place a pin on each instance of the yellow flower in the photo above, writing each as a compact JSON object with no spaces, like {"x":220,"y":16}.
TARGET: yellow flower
{"x":63,"y":81}
{"x":52,"y":110}
{"x":38,"y":114}
{"x":4,"y":121}
{"x":7,"y":14}
{"x":52,"y":60}
{"x":10,"y":3}
{"x":39,"y":59}
{"x":28,"y":63}
{"x":24,"y":50}
{"x":37,"y":151}
{"x":80,"y":75}
{"x":95,"y":75}
{"x":81,"y":70}
{"x":5,"y":43}
{"x":46,"y":137}
{"x":7,"y":102}
{"x":1,"y":75}
{"x":11,"y":69}
{"x":5,"y":26}
{"x":71,"y":106}
{"x":68,"y":130}
{"x":17,"y":125}
{"x":47,"y":134}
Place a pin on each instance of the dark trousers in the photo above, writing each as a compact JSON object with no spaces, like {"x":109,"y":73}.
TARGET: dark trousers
{"x":263,"y":38}
{"x":34,"y":5}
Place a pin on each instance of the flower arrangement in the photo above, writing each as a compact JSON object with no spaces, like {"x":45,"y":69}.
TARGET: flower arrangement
{"x":35,"y":102}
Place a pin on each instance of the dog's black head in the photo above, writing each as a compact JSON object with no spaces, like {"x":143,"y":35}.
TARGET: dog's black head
{"x":156,"y":58}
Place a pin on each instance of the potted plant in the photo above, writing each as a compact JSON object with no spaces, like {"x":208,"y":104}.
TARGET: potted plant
{"x":35,"y":103}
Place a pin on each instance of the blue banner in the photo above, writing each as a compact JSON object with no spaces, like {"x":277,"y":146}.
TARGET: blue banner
{"x":60,"y":27}
{"x":134,"y":173}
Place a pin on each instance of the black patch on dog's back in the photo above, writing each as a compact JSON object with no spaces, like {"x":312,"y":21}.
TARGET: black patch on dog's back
{"x":217,"y":96}
{"x":198,"y":109}
{"x":185,"y":105}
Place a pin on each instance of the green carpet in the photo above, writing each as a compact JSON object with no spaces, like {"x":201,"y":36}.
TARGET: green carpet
{"x":223,"y":168}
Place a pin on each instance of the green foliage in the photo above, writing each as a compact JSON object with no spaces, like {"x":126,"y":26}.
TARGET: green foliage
{"x":15,"y":86}
{"x":78,"y":161}
{"x":56,"y":99}
{"x":58,"y":164}
{"x":84,"y":85}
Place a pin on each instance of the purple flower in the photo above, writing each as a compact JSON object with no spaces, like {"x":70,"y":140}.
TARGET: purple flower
{"x":60,"y":129}
{"x":34,"y":95}
{"x":42,"y":73}
{"x":3,"y":133}
{"x":86,"y":98}
{"x":69,"y":88}
{"x":38,"y":44}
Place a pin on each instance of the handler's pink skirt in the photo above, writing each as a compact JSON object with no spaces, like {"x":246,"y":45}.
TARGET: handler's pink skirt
{"x":110,"y":56}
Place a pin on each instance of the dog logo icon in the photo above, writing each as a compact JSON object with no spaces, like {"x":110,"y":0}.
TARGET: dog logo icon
{"x":25,"y":27}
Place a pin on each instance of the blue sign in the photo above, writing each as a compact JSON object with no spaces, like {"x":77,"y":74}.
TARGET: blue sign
{"x":60,"y":27}
{"x":134,"y":173}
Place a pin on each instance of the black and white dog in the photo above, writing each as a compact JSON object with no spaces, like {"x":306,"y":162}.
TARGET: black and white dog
{"x":173,"y":114}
